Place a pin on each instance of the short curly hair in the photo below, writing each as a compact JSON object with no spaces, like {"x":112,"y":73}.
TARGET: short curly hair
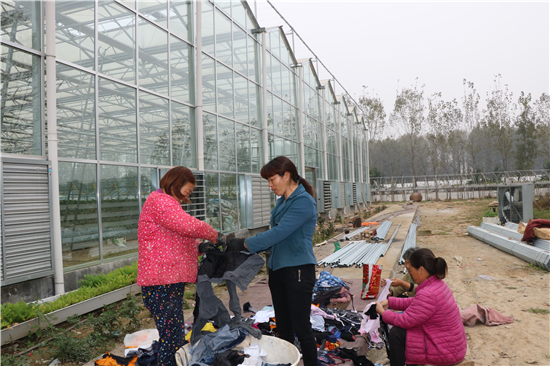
{"x":408,"y":252}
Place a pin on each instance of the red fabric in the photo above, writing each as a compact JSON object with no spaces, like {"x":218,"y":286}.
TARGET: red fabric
{"x":486,"y":316}
{"x":528,"y":235}
{"x":168,"y":245}
{"x":435,"y":334}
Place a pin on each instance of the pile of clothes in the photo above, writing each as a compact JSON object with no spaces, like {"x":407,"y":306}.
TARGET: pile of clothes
{"x":331,"y":291}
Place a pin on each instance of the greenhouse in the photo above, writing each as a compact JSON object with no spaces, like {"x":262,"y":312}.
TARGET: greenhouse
{"x":101,"y":98}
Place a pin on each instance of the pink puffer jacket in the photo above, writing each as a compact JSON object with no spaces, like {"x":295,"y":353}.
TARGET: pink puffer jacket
{"x":168,"y":245}
{"x":435,"y":334}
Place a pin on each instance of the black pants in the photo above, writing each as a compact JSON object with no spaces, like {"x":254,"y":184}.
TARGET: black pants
{"x":397,"y":339}
{"x":291,"y":290}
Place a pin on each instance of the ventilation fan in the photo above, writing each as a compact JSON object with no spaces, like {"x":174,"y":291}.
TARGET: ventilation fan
{"x":515,"y":203}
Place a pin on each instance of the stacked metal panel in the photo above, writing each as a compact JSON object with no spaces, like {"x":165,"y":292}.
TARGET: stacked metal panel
{"x":410,"y":241}
{"x":539,"y":243}
{"x":516,"y":248}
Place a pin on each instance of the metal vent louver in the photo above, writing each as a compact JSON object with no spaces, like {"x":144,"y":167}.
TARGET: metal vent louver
{"x":197,"y":207}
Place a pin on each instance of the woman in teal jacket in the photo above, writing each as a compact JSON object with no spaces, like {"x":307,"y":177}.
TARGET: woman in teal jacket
{"x":292,"y":262}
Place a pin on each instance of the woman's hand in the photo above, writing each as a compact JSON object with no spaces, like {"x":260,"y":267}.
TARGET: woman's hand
{"x":396,"y":282}
{"x":381,"y":306}
{"x":383,"y":282}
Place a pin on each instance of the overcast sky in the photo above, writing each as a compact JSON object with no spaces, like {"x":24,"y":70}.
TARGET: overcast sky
{"x":386,"y":45}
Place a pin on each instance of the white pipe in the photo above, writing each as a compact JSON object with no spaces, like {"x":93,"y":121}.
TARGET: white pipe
{"x":52,"y":147}
{"x":198,"y":86}
{"x":302,"y":166}
{"x":265,"y":141}
{"x":325,"y":160}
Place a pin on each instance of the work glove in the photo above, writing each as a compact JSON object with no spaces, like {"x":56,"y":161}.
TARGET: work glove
{"x":220,"y":238}
{"x":205,"y":246}
{"x":236,"y":245}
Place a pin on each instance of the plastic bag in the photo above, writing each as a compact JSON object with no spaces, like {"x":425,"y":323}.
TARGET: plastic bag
{"x":142,"y":338}
{"x":371,"y":281}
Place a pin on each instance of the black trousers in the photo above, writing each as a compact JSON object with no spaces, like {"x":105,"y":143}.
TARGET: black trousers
{"x":397,"y":340}
{"x":291,"y":290}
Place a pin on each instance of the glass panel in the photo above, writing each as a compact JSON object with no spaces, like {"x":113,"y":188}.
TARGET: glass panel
{"x":21,"y":112}
{"x":285,"y":75}
{"x":289,"y":122}
{"x":212,"y":200}
{"x":130,"y":3}
{"x":309,"y":132}
{"x":228,"y":202}
{"x":116,"y":46}
{"x":208,"y":83}
{"x":279,"y":146}
{"x":183,"y":136}
{"x":207,"y":27}
{"x":117,"y":122}
{"x":255,"y":108}
{"x":75,"y":113}
{"x":269,"y":107}
{"x":274,"y":45}
{"x":119,"y":210}
{"x":276,"y":76}
{"x":256,"y":150}
{"x":223,"y":38}
{"x":153,"y":57}
{"x":226,"y":138}
{"x":240,"y":50}
{"x":241,"y":98}
{"x":225,"y":5}
{"x":21,"y":22}
{"x":181,"y":70}
{"x":210,"y":141}
{"x":243,"y":148}
{"x":278,"y":115}
{"x":225,"y":90}
{"x":252,"y":54}
{"x":75,"y":32}
{"x":154,"y":10}
{"x":269,"y":75}
{"x":239,"y":13}
{"x":179,"y":18}
{"x":78,"y":211}
{"x":149,"y":182}
{"x":154,"y":131}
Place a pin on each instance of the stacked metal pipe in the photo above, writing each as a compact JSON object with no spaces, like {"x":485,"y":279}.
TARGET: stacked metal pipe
{"x":516,"y":248}
{"x":410,"y":241}
{"x":382,"y":230}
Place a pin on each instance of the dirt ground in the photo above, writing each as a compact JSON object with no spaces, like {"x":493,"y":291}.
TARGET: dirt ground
{"x":517,"y":289}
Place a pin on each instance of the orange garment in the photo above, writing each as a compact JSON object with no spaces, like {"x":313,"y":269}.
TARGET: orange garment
{"x":112,"y":360}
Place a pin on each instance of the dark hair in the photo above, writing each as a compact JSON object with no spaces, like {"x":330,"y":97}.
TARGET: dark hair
{"x":425,"y":258}
{"x":408,"y":252}
{"x":175,"y":179}
{"x":280,"y":165}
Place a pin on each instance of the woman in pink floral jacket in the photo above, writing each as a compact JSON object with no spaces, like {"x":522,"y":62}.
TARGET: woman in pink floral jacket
{"x":168,"y":250}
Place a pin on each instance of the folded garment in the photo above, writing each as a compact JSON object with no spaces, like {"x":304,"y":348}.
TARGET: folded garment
{"x":486,"y":316}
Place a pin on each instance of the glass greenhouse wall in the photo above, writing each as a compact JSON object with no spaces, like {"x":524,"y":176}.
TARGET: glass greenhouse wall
{"x":130,"y":106}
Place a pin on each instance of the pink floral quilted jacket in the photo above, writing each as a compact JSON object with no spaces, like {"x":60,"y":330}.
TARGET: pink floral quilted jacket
{"x":435,"y":333}
{"x":168,"y":245}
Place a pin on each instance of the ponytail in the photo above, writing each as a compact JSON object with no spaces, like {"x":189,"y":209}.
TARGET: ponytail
{"x":307,"y":186}
{"x":425,"y":258}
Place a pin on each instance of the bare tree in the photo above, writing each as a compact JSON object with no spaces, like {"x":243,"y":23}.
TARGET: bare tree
{"x":498,"y":119}
{"x":408,"y":117}
{"x":471,"y":118}
{"x":374,"y":114}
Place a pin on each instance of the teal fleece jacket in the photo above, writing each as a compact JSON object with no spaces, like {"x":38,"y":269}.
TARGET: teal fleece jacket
{"x":290,"y":239}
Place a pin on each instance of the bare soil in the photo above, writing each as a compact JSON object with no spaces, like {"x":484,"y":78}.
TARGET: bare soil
{"x":516,"y":290}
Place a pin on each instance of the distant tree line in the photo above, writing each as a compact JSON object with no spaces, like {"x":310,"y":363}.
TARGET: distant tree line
{"x":437,"y":136}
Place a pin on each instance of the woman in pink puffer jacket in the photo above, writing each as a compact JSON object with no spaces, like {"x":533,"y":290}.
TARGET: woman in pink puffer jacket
{"x":430,"y":330}
{"x":168,"y":251}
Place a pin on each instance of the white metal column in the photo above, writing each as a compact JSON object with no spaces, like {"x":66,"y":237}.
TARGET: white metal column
{"x":324,"y":119}
{"x":198,"y":86}
{"x":302,"y":167}
{"x":52,"y":147}
{"x":265,"y":142}
{"x":340,"y":142}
